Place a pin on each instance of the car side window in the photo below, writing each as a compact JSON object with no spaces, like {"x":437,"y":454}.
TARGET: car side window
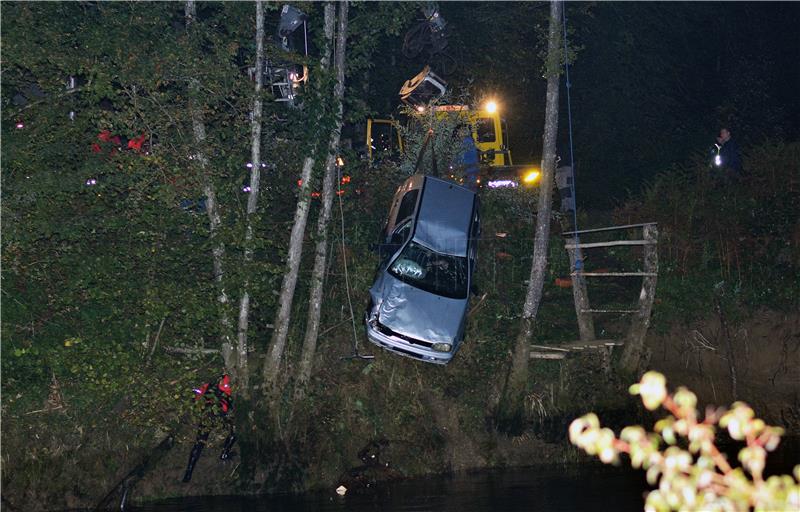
{"x":407,"y":205}
{"x":475,"y":233}
{"x":394,"y":241}
{"x":476,"y":225}
{"x":400,"y":234}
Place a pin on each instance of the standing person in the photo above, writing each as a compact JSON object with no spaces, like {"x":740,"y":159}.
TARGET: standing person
{"x":728,"y":158}
{"x":469,"y":160}
{"x":217,"y":404}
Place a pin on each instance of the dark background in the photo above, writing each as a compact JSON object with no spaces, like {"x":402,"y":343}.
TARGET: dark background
{"x":652,"y":82}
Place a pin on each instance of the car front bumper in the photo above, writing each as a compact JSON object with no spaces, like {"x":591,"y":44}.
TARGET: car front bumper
{"x":402,"y":346}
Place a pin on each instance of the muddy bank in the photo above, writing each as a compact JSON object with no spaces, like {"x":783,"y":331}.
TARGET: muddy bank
{"x":763,"y":357}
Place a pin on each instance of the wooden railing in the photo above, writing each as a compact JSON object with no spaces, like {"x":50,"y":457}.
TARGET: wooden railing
{"x":640,"y":321}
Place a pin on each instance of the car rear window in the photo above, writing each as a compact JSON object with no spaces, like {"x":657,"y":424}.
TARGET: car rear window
{"x":407,"y":205}
{"x":433,"y":272}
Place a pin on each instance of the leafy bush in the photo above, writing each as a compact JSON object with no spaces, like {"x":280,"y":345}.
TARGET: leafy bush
{"x":683,"y":458}
{"x":745,"y":232}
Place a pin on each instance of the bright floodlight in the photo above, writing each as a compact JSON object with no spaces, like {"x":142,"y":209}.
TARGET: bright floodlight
{"x":491,"y":106}
{"x":531,"y":176}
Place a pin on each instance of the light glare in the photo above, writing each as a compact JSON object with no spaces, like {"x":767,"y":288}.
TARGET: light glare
{"x":531,"y":176}
{"x":501,"y":184}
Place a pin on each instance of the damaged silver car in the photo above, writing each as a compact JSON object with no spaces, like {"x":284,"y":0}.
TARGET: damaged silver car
{"x":419,"y":300}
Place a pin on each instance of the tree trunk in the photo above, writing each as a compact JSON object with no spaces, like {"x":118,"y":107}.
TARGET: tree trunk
{"x":212,"y":208}
{"x":519,"y":367}
{"x":634,"y":342}
{"x":580,"y":293}
{"x":329,"y":183}
{"x":278,"y":343}
{"x":252,"y":200}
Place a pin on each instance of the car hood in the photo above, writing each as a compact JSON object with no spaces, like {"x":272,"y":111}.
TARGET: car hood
{"x":417,"y":313}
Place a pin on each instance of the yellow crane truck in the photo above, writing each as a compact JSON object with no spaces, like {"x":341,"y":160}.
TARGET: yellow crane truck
{"x":488,"y":128}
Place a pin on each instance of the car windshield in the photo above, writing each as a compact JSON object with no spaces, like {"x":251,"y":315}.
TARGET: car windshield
{"x":431,"y":271}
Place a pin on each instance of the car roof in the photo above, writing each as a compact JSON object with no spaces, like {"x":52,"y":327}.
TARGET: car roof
{"x":444,"y":217}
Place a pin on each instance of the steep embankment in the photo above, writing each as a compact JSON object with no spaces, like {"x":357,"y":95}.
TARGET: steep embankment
{"x":763,"y":355}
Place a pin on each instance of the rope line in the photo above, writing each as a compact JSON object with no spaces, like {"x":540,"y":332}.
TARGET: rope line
{"x":344,"y":264}
{"x":578,"y":256}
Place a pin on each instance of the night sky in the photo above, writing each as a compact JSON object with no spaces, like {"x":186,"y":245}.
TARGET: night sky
{"x":652,"y":82}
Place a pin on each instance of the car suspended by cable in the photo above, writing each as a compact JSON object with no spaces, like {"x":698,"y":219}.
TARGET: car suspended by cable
{"x":419,"y":299}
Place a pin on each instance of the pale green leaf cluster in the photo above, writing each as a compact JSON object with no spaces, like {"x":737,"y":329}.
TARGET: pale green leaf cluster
{"x":681,"y":457}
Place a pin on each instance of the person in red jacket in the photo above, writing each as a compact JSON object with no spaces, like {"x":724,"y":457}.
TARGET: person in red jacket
{"x":218,"y":404}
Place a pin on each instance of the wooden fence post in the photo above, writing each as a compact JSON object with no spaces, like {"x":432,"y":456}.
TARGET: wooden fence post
{"x":579,"y":292}
{"x":634,"y":344}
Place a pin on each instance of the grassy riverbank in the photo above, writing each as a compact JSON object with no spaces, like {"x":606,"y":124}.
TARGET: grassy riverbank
{"x":84,"y":400}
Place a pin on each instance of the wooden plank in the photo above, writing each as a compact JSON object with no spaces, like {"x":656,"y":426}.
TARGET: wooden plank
{"x":578,"y":348}
{"x":613,"y":274}
{"x":624,"y":311}
{"x":550,"y":347}
{"x":548,"y":355}
{"x":191,"y":350}
{"x":580,"y":345}
{"x":613,"y":243}
{"x":609,"y":228}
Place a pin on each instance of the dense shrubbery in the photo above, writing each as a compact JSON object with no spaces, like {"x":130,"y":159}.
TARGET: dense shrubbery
{"x":745,"y":232}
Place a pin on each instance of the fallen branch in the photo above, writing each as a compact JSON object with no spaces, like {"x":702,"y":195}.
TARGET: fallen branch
{"x":46,"y":409}
{"x":334,"y":326}
{"x":191,"y":351}
{"x":702,"y":341}
{"x":125,"y":485}
{"x":155,"y":342}
{"x":476,"y":306}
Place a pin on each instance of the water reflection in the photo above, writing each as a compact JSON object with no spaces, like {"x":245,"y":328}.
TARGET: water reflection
{"x":595,"y":488}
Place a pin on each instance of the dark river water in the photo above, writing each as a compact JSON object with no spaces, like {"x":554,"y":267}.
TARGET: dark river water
{"x":572,"y":490}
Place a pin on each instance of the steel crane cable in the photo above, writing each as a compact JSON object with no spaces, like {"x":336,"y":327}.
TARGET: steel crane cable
{"x":578,"y":256}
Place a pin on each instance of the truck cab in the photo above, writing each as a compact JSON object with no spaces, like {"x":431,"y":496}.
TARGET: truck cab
{"x":383,"y":139}
{"x":489,"y":131}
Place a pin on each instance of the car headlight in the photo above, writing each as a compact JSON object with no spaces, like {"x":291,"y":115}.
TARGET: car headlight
{"x":442,"y":347}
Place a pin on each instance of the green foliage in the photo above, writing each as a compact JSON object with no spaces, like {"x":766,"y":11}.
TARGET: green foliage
{"x":439,"y":134}
{"x":96,"y":277}
{"x":682,"y":456}
{"x":744,"y":233}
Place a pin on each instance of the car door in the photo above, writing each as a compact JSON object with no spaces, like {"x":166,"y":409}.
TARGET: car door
{"x":404,"y":204}
{"x":474,"y":235}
